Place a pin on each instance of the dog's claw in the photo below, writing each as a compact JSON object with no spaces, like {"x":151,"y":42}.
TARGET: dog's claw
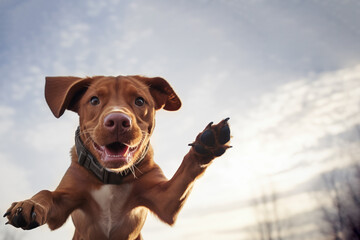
{"x":209,"y":125}
{"x":7,"y":214}
{"x":7,"y":223}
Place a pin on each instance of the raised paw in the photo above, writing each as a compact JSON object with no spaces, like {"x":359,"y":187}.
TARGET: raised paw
{"x":26,"y":215}
{"x":213,"y":141}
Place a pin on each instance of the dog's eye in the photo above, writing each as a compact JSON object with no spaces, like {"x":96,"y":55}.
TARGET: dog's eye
{"x":94,"y":100}
{"x":139,"y":101}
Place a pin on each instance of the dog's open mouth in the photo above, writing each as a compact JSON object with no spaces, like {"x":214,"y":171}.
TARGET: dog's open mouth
{"x":116,"y":154}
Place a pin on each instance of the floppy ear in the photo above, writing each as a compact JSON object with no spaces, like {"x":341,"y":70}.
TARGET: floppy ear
{"x":162,"y":93}
{"x":60,"y":92}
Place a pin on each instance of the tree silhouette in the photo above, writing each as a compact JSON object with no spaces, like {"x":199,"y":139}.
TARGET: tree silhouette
{"x":340,"y":204}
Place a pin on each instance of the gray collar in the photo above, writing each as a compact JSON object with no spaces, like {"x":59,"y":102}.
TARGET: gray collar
{"x":89,"y":161}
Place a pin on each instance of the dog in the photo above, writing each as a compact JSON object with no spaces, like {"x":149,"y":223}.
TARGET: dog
{"x":113,"y":181}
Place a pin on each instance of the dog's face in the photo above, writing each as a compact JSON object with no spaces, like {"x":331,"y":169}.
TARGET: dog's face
{"x":116,"y":113}
{"x":116,"y":120}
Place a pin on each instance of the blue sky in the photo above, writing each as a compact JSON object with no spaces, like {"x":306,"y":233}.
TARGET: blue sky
{"x":287,"y":73}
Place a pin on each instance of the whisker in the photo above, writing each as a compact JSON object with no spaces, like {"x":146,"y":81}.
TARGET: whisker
{"x":132,"y":169}
{"x":86,"y":133}
{"x":134,"y":166}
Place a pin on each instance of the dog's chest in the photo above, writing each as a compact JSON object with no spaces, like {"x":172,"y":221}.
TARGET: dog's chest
{"x":111,"y":200}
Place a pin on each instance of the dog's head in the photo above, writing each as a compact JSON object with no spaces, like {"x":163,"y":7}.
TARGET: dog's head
{"x":116,"y":113}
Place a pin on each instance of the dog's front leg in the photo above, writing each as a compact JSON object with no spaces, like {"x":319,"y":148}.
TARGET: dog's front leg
{"x":48,"y":207}
{"x":167,"y":197}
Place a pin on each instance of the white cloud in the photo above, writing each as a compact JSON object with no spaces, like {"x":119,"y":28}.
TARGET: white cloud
{"x":6,"y":119}
{"x":29,"y":83}
{"x":14,"y":179}
{"x":51,"y":136}
{"x":297,"y":115}
{"x":15,"y":186}
{"x":74,"y":33}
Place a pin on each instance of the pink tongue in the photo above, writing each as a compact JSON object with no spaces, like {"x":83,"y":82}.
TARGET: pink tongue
{"x":116,"y":149}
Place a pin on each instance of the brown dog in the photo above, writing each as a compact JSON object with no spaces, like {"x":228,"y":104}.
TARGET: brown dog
{"x":113,"y":181}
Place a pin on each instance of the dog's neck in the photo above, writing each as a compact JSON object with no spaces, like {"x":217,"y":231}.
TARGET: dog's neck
{"x":89,"y":161}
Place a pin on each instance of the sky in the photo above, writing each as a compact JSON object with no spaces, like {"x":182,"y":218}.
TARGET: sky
{"x":287,"y":73}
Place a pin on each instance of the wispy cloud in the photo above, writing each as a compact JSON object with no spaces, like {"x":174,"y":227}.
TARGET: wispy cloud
{"x":292,"y":119}
{"x":76,"y":33}
{"x":6,"y":119}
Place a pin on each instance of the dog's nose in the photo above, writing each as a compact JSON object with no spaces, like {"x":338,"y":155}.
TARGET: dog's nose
{"x":117,"y":122}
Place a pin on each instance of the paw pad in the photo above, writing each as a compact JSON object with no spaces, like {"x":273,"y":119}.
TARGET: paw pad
{"x":200,"y":149}
{"x":213,"y":140}
{"x":224,"y":136}
{"x":18,"y":219}
{"x":208,"y":138}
